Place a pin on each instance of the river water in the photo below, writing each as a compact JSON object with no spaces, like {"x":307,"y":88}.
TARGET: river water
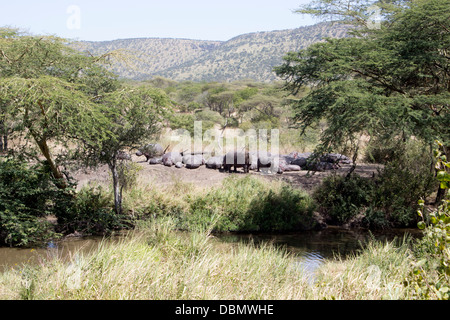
{"x":311,"y":246}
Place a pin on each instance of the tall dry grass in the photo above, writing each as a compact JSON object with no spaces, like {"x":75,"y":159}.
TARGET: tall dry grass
{"x":157,"y":262}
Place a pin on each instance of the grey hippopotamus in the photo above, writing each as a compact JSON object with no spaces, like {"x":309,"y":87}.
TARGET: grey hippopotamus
{"x":214,"y":162}
{"x":236,"y":160}
{"x":171,"y":158}
{"x":151,"y":150}
{"x":264,"y":160}
{"x":193,"y":161}
{"x":156,"y":160}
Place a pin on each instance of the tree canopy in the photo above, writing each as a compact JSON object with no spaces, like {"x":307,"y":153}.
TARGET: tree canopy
{"x":391,"y":82}
{"x":67,"y":102}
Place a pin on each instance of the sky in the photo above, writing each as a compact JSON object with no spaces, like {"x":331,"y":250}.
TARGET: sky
{"x":101,"y":20}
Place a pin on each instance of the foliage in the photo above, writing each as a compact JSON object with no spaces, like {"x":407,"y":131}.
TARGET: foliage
{"x":387,"y":200}
{"x":159,"y":262}
{"x":388,"y":82}
{"x":27,"y":196}
{"x":133,"y":116}
{"x":49,"y":94}
{"x":247,"y":204}
{"x":430,"y":277}
{"x":343,"y":198}
{"x":54,"y":95}
{"x":89,"y":212}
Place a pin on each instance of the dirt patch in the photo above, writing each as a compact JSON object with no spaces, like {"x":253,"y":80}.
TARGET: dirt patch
{"x":207,"y":178}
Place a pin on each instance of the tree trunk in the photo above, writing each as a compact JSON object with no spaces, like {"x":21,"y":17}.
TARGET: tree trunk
{"x":3,"y":137}
{"x":116,"y":187}
{"x":60,"y":181}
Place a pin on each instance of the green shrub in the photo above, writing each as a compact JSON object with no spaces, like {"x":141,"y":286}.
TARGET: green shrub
{"x":282,"y":210}
{"x":430,"y":276}
{"x":387,"y":200}
{"x":90,"y":212}
{"x":27,"y":196}
{"x":249,"y":204}
{"x":209,"y":118}
{"x":182,"y":121}
{"x":342,"y":198}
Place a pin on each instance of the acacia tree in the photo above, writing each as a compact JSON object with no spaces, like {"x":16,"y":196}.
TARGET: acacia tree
{"x":48,"y":110}
{"x":59,"y":98}
{"x":49,"y":92}
{"x":389,"y":82}
{"x":133,"y":116}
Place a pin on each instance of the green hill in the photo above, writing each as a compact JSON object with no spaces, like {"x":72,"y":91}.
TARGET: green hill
{"x":248,"y":56}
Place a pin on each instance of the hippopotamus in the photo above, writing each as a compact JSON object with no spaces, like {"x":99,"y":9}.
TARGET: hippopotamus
{"x":171,"y":158}
{"x":335,"y":158}
{"x":292,"y":167}
{"x":179,"y":165}
{"x":193,"y":161}
{"x":253,"y":160}
{"x":150,"y":151}
{"x":236,"y":160}
{"x":122,"y":155}
{"x":321,"y":166}
{"x":264,"y":160}
{"x":156,"y":160}
{"x":214,"y":162}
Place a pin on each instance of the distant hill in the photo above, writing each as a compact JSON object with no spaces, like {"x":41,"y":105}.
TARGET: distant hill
{"x":248,"y":56}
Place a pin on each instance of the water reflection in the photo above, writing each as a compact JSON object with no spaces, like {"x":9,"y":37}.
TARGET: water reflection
{"x":328,"y":243}
{"x":16,"y":257}
{"x":311,"y":247}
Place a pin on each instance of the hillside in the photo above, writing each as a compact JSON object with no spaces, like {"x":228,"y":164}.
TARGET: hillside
{"x":248,"y":56}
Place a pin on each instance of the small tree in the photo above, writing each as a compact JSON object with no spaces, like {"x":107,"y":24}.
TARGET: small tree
{"x":49,"y":93}
{"x":134,"y":115}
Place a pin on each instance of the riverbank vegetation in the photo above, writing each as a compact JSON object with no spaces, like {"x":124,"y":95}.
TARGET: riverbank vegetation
{"x":158,"y":262}
{"x":379,"y":96}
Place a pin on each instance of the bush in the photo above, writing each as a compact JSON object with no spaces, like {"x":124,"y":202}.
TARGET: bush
{"x":209,"y":118}
{"x":27,"y":196}
{"x":249,"y":204}
{"x":388,"y":200}
{"x":90,"y":212}
{"x":430,"y":277}
{"x":342,"y":198}
{"x":282,"y":210}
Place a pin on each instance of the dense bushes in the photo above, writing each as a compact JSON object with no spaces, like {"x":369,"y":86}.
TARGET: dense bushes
{"x":249,"y":204}
{"x":89,"y":212}
{"x":387,"y":200}
{"x":27,"y":196}
{"x":430,"y":276}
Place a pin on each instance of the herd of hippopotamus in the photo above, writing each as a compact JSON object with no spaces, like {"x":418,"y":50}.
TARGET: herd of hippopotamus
{"x":295,"y":161}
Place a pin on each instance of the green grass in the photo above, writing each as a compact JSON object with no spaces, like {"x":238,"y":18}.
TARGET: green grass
{"x":157,"y":262}
{"x":238,"y":204}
